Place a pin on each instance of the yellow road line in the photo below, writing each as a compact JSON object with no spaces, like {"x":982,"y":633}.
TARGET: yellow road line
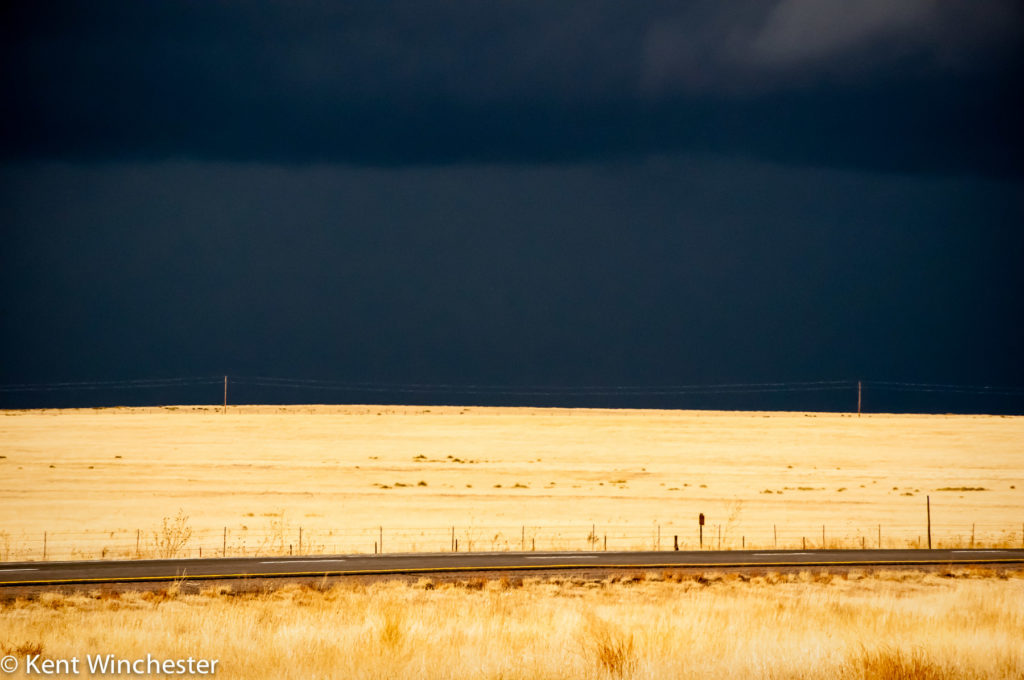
{"x":526,"y":567}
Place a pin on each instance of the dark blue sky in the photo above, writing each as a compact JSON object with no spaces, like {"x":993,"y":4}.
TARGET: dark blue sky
{"x":514,"y":194}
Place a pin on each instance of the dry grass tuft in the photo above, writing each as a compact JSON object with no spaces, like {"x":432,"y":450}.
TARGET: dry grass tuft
{"x":889,"y":663}
{"x":392,"y":627}
{"x":613,"y":649}
{"x":507,"y":583}
{"x":21,"y":649}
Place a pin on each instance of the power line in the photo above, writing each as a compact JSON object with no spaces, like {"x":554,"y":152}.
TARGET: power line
{"x":544,"y":390}
{"x":514,"y":391}
{"x":108,"y":384}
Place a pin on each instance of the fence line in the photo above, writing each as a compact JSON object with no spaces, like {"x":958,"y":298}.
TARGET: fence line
{"x":184,"y":542}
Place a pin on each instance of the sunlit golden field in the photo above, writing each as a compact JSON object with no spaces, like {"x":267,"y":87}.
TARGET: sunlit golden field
{"x":98,"y":482}
{"x":887,"y":625}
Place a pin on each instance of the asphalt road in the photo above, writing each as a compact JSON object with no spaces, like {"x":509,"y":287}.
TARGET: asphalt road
{"x":57,"y":573}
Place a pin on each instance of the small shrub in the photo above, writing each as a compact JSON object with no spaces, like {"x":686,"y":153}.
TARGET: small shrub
{"x":172,"y":536}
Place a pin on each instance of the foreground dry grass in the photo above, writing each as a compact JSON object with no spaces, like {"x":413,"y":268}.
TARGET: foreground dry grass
{"x":499,"y":475}
{"x":881,"y":626}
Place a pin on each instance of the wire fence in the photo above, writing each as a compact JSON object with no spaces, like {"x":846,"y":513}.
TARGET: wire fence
{"x":179,"y":541}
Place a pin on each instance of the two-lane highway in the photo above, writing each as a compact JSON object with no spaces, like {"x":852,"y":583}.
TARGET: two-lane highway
{"x":59,"y":573}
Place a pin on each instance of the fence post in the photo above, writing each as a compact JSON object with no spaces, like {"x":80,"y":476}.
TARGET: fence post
{"x":606,"y":542}
{"x":804,"y":540}
{"x":775,"y":536}
{"x":453,"y":540}
{"x":719,"y":536}
{"x":224,"y":544}
{"x":675,"y":542}
{"x":928,"y":500}
{"x":972,"y":535}
{"x":657,"y":545}
{"x":744,"y":542}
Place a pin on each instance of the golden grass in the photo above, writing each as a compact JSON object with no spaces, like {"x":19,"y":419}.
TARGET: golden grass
{"x":98,"y":480}
{"x":883,"y":626}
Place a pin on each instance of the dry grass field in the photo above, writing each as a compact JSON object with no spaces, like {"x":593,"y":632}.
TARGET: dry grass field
{"x":98,"y":482}
{"x":885,"y":626}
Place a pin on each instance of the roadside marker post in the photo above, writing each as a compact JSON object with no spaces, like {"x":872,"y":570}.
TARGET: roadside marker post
{"x":928,"y":500}
{"x":700,"y":523}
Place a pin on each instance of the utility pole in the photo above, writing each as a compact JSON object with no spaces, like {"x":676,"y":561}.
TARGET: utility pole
{"x":859,"y":391}
{"x":225,"y":395}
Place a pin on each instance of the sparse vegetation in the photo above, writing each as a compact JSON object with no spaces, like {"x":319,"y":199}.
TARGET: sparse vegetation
{"x":172,"y":536}
{"x":310,"y":461}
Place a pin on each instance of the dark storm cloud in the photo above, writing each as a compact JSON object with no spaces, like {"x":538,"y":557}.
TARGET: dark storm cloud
{"x":663,"y":272}
{"x":909,"y":86}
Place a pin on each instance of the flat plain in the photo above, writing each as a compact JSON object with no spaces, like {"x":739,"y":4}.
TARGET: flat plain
{"x":101,"y":482}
